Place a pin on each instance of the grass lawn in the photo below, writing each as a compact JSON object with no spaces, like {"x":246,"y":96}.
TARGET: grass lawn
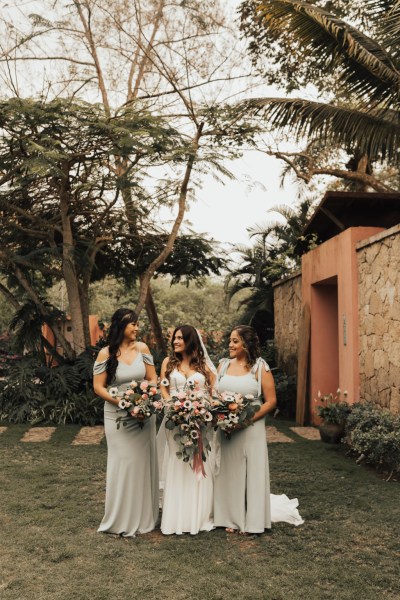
{"x":51,"y":502}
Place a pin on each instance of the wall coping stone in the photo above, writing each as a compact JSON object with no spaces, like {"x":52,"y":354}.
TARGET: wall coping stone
{"x":287,"y":278}
{"x":378,"y":237}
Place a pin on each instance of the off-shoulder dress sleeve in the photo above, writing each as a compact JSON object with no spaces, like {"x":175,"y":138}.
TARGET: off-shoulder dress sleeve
{"x":99,"y":367}
{"x":148,"y":359}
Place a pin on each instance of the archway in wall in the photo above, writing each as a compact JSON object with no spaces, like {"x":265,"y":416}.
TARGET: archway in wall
{"x":324,"y":367}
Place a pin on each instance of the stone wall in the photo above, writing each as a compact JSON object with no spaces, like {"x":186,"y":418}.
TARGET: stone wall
{"x":379,"y":316}
{"x":287,"y":307}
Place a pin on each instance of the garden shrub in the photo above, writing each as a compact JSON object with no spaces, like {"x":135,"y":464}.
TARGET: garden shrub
{"x":286,"y":392}
{"x":34,"y":393}
{"x":375,"y":434}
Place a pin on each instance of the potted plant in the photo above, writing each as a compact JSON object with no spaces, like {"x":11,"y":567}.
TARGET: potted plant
{"x":333,"y":413}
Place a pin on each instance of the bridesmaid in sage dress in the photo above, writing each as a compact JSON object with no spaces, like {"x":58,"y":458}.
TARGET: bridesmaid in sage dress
{"x":242,"y":489}
{"x":242,"y":501}
{"x":132,"y":496}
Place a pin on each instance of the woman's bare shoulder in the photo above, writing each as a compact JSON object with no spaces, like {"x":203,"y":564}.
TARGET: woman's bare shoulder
{"x":142,"y":347}
{"x":103,"y":354}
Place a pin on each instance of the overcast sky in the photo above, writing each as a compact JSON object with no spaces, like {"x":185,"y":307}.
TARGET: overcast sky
{"x":226,"y":211}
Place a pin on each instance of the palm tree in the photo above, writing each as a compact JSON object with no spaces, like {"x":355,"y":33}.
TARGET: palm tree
{"x":364,"y":118}
{"x":276,"y":252}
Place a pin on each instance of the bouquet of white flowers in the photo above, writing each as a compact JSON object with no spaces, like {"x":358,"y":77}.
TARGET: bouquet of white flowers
{"x":233,"y":411}
{"x":140,"y":401}
{"x":189,"y":412}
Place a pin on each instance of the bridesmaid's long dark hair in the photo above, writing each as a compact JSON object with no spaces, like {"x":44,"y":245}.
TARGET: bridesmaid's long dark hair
{"x":193,"y":350}
{"x":119,"y":321}
{"x":250,"y":341}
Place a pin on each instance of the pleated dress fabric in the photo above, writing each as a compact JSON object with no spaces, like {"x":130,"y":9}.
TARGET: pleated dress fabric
{"x":242,"y":486}
{"x":187,"y":499}
{"x":132,"y":494}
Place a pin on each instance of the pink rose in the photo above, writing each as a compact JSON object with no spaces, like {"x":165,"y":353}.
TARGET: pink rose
{"x":144,"y":385}
{"x":145,"y":396}
{"x":153,"y":391}
{"x":136,"y":410}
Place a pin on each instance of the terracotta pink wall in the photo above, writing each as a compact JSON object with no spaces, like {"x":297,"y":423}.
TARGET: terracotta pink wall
{"x":95,"y":332}
{"x":329,"y":285}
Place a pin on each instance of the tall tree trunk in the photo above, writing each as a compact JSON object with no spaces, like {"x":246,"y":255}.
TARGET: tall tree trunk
{"x":72,"y":283}
{"x":155,"y":322}
{"x":84,"y":298}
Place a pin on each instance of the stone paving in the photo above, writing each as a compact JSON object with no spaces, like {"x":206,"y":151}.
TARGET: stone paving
{"x":274,"y":435}
{"x":89,"y":436}
{"x":310,"y":433}
{"x":38,"y":434}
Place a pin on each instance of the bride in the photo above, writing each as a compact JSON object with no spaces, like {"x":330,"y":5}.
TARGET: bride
{"x":187,"y":505}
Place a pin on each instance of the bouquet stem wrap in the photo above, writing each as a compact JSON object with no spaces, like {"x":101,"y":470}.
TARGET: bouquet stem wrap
{"x":198,"y":464}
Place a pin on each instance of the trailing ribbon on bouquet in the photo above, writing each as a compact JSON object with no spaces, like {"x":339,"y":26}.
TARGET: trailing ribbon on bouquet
{"x":198,"y":464}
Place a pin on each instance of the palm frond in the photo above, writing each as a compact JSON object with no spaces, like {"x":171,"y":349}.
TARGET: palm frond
{"x":376,"y":133}
{"x":363,"y":65}
{"x":390,"y":26}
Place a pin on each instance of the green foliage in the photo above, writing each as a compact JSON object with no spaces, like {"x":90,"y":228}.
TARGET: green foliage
{"x":286,"y":390}
{"x":26,"y":329}
{"x":276,"y":252}
{"x":375,"y":435}
{"x":202,"y":305}
{"x":356,"y":60}
{"x":332,"y":409}
{"x":334,"y":412}
{"x":35,"y":393}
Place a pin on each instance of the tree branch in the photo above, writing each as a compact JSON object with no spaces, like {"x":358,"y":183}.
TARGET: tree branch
{"x":310,"y":172}
{"x":151,"y":269}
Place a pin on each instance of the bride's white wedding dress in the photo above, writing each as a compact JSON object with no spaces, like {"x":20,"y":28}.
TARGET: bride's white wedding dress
{"x":187,"y":503}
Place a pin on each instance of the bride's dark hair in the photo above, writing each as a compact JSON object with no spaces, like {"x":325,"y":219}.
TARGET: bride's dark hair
{"x":250,"y":341}
{"x":193,"y":351}
{"x":119,"y":321}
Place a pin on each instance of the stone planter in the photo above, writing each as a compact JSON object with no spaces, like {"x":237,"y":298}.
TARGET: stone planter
{"x":331,"y":433}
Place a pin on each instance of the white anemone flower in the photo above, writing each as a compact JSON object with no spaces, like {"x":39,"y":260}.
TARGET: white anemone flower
{"x":165,"y":382}
{"x":113,"y":392}
{"x":187,"y":404}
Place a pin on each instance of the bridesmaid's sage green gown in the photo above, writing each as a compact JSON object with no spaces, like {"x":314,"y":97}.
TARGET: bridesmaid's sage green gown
{"x":241,"y":489}
{"x":132,"y":495}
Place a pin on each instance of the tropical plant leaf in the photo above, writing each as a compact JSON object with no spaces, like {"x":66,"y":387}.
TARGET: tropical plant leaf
{"x":376,"y":133}
{"x":364,"y":67}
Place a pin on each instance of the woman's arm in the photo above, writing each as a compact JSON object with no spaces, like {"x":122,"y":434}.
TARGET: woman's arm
{"x":164,"y":389}
{"x":151,"y":375}
{"x":99,"y":381}
{"x":212,"y":378}
{"x":269,"y":394}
